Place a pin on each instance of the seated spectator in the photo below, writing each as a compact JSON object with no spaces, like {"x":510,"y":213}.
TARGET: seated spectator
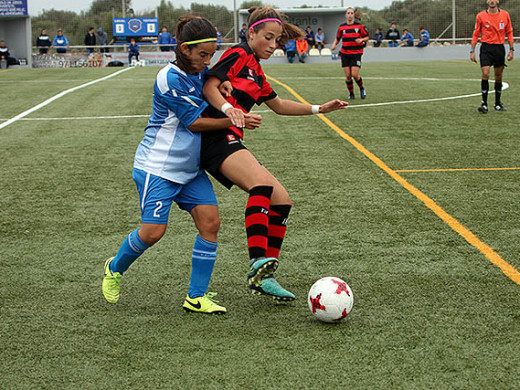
{"x":407,"y":38}
{"x":60,"y":42}
{"x":392,"y":35}
{"x":219,"y":38}
{"x":319,"y":38}
{"x":43,"y":42}
{"x":90,"y":40}
{"x":102,"y":39}
{"x":378,"y":37}
{"x":164,"y":39}
{"x":242,"y":34}
{"x":133,"y":51}
{"x":309,"y":37}
{"x":302,"y":47}
{"x":290,"y":50}
{"x":4,"y":53}
{"x":425,"y":38}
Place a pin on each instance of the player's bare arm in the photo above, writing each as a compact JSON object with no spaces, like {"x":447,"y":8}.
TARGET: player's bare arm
{"x":290,"y":107}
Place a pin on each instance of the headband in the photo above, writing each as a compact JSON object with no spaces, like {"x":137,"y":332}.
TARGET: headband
{"x":266,"y":20}
{"x":201,"y":41}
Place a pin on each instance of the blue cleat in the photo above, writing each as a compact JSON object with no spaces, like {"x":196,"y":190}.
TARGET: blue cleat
{"x":363,"y":93}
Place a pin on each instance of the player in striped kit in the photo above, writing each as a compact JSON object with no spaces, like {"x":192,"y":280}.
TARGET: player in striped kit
{"x":166,"y":166}
{"x":493,"y":24}
{"x":353,"y":37}
{"x":230,"y":162}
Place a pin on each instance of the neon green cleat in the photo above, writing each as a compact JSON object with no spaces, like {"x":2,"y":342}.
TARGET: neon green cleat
{"x":270,"y":287}
{"x":260,"y":268}
{"x":111,"y":283}
{"x":205,"y":304}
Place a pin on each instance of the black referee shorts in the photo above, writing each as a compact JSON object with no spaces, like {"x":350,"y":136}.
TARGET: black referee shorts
{"x":216,"y":147}
{"x":350,"y":60}
{"x":492,"y":55}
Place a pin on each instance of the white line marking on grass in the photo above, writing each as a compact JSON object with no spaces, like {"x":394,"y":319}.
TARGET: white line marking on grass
{"x":85,"y":117}
{"x":504,"y":87}
{"x":56,"y":97}
{"x":379,"y":78}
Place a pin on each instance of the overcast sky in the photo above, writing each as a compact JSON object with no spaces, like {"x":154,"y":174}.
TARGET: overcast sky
{"x":36,"y":6}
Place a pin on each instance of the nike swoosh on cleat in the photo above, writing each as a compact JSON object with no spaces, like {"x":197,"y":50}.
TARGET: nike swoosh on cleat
{"x":196,"y":306}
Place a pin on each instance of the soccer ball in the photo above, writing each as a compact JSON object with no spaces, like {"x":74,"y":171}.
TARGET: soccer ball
{"x":330,"y":299}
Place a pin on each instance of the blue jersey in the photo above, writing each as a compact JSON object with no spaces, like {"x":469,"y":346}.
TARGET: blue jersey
{"x":165,"y":38}
{"x":425,"y":36}
{"x":169,"y":149}
{"x":60,"y":40}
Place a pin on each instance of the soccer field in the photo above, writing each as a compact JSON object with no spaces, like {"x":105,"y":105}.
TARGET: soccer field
{"x":410,"y":196}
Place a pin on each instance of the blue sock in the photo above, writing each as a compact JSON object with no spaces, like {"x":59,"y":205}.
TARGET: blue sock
{"x":130,"y":250}
{"x":202,"y":263}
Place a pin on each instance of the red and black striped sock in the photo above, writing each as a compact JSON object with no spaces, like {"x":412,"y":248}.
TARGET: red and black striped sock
{"x":277,"y":228}
{"x":257,"y":220}
{"x":350,"y":86}
{"x":360,"y":83}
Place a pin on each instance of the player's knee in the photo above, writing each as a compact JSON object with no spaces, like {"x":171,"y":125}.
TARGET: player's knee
{"x":209,"y":225}
{"x":151,"y":235}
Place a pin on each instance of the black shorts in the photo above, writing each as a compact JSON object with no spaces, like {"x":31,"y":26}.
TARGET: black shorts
{"x":492,"y":55}
{"x":349,"y":60}
{"x":216,"y":147}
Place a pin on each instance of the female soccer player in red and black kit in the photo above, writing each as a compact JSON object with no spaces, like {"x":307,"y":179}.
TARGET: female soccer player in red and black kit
{"x":353,"y":37}
{"x":227,"y":159}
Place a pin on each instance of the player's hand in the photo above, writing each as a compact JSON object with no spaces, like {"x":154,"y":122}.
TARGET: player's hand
{"x":252,"y":121}
{"x":333,"y":105}
{"x":473,"y":57}
{"x":511,"y":55}
{"x":358,"y":40}
{"x":237,"y":117}
{"x":226,"y":88}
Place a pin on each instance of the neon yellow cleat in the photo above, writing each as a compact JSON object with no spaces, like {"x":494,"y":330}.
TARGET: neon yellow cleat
{"x":111,"y":283}
{"x":204,"y":304}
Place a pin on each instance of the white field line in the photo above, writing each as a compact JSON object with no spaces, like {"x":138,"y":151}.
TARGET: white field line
{"x":504,"y":87}
{"x":56,"y":97}
{"x":85,"y":117}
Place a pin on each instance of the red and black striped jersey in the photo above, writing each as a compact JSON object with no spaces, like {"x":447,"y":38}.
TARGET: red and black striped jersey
{"x":347,"y":35}
{"x":241,"y":67}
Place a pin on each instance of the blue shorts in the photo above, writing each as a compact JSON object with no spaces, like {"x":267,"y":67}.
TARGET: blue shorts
{"x":156,"y":195}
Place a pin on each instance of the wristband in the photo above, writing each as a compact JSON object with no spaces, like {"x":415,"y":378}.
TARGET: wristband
{"x":472,"y":51}
{"x":511,"y":49}
{"x":315,"y":109}
{"x":225,"y":107}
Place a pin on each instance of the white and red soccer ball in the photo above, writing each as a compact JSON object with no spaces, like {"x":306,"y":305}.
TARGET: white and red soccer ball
{"x":330,"y":299}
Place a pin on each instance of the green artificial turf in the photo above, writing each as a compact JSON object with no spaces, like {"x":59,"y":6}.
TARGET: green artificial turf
{"x":430,"y":310}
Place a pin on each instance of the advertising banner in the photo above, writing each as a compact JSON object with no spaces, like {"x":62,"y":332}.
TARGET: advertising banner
{"x":13,"y":8}
{"x":135,"y":27}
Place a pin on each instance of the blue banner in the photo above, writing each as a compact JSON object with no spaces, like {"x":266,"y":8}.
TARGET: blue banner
{"x":135,"y":27}
{"x":13,"y":8}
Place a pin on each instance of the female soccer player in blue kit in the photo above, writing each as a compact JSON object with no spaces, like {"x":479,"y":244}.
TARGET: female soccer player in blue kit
{"x":166,"y":166}
{"x":230,"y":162}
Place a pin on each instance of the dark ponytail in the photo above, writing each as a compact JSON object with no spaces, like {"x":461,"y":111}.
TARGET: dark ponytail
{"x":191,"y":28}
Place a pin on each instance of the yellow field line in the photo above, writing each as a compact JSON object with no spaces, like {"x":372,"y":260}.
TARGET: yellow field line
{"x":5,"y":70}
{"x":456,"y":169}
{"x":482,"y":247}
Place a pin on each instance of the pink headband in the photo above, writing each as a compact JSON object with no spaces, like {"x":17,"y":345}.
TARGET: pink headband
{"x":266,"y":20}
